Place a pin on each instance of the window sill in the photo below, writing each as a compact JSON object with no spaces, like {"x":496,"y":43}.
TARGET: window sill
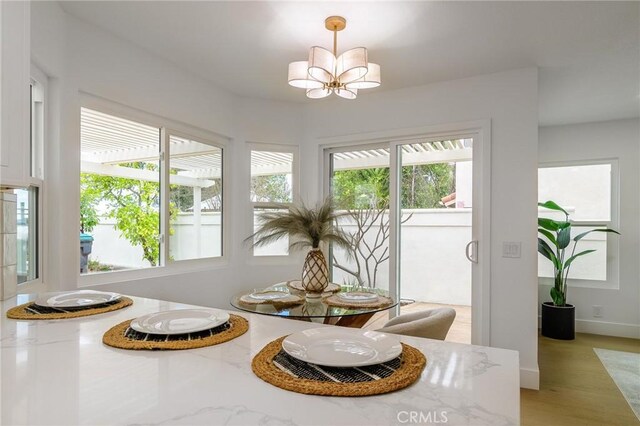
{"x":174,"y":268}
{"x":573,"y":283}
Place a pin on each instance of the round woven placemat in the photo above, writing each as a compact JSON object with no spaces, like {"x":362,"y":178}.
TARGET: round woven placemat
{"x":116,"y":338}
{"x":413,"y":362}
{"x":297,"y":285}
{"x":22,"y":312}
{"x":334,"y":300}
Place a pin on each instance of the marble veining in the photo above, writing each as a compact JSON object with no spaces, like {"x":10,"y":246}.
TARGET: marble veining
{"x":59,"y":372}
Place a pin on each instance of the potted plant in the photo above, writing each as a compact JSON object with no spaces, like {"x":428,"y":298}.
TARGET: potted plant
{"x":306,"y":227}
{"x":554,"y":241}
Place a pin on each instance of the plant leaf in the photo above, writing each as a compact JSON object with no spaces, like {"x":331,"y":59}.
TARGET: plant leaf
{"x":553,"y":206}
{"x":564,"y":237}
{"x":572,"y":258}
{"x":584,"y":234}
{"x":548,"y":224}
{"x":546,"y":251}
{"x":549,"y":235}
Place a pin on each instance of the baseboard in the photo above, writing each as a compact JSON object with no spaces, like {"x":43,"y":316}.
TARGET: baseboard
{"x":605,"y":328}
{"x":530,"y":378}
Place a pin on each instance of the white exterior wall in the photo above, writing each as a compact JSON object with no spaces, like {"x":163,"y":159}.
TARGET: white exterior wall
{"x":618,"y":139}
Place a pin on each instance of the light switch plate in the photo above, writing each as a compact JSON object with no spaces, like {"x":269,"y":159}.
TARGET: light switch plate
{"x":511,"y":249}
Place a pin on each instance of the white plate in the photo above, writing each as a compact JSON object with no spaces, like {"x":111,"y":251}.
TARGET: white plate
{"x":269,"y":295}
{"x":340,"y":347}
{"x":75,"y":299}
{"x":358,"y":296}
{"x":180,"y":321}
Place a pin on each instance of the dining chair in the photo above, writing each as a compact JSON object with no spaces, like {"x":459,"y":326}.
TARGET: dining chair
{"x":431,"y":323}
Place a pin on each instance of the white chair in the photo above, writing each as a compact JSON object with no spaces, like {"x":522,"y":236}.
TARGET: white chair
{"x":432,"y":323}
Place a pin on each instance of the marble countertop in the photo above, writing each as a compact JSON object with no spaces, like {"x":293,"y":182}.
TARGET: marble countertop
{"x":60,"y":373}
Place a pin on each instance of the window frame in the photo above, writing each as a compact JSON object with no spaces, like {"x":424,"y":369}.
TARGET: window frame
{"x":165,"y":189}
{"x":612,"y":280}
{"x":38,"y":128}
{"x":167,"y":127}
{"x":295,"y":192}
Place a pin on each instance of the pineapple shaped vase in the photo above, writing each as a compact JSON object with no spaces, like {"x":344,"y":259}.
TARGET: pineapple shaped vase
{"x":315,"y":274}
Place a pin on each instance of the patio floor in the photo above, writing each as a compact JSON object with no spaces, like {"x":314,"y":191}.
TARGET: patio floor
{"x":460,"y":331}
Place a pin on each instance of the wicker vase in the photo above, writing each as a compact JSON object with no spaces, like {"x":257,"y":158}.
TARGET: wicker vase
{"x":315,"y":274}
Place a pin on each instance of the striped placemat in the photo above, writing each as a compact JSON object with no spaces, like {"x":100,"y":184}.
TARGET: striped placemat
{"x":304,"y":370}
{"x":31,"y":311}
{"x":124,"y":337}
{"x":276,"y":367}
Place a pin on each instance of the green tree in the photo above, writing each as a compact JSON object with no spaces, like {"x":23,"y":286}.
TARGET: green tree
{"x":133,"y":203}
{"x":270,"y":188}
{"x":88,"y":201}
{"x":423,"y":186}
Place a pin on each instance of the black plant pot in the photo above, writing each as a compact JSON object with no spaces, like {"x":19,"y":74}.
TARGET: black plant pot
{"x":558,"y":322}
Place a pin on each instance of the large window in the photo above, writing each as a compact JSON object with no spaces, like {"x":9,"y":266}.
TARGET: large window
{"x":588,"y":191}
{"x":126,"y":221}
{"x":272,"y":189}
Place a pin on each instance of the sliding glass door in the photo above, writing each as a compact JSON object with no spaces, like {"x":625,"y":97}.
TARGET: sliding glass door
{"x":410,"y":215}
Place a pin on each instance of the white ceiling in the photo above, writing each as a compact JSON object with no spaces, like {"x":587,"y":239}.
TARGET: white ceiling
{"x":588,"y":52}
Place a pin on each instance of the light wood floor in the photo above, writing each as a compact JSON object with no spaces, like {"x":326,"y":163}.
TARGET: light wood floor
{"x":575,"y":388}
{"x":460,"y":330}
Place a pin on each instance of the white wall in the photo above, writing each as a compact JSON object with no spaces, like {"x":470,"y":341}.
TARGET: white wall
{"x":82,"y":58}
{"x":618,"y":139}
{"x":509,"y":99}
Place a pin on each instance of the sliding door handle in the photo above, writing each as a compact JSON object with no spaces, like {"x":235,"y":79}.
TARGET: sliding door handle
{"x":471,"y":251}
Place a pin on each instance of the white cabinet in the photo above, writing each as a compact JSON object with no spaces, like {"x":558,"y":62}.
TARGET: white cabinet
{"x":15,"y":52}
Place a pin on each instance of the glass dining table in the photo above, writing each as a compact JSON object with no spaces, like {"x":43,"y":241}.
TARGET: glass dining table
{"x":313,"y":310}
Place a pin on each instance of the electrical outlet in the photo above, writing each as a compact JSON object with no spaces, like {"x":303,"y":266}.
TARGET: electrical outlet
{"x":597,"y":311}
{"x":511,"y":249}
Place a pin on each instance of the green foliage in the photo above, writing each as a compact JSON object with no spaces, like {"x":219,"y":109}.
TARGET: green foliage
{"x":89,"y":197}
{"x":96,"y":266}
{"x":134,"y":204}
{"x":271,"y":188}
{"x":307,"y":227}
{"x":423,"y":186}
{"x":555,"y":246}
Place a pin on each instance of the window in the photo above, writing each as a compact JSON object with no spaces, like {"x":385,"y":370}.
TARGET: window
{"x":29,"y":199}
{"x":27,"y":228}
{"x":272,"y":189}
{"x":126,"y":221}
{"x":196,"y":199}
{"x":588,"y":191}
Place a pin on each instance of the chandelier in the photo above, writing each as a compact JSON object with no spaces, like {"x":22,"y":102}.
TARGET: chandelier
{"x":325,"y":72}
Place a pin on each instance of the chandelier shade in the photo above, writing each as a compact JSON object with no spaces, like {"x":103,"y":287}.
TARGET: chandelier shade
{"x":299,"y":76}
{"x":369,"y":80}
{"x":325,"y":72}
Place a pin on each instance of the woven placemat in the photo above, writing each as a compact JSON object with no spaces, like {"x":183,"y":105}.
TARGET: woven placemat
{"x":297,"y":285}
{"x":31,"y":311}
{"x":124,"y":337}
{"x":285,"y":372}
{"x":334,"y":300}
{"x":290,"y":300}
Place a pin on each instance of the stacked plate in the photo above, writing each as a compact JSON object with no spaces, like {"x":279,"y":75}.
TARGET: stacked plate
{"x":342,"y":347}
{"x":76,"y":299}
{"x":181,"y":321}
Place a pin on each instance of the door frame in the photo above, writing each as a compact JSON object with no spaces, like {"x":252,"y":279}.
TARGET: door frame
{"x":480,"y":131}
